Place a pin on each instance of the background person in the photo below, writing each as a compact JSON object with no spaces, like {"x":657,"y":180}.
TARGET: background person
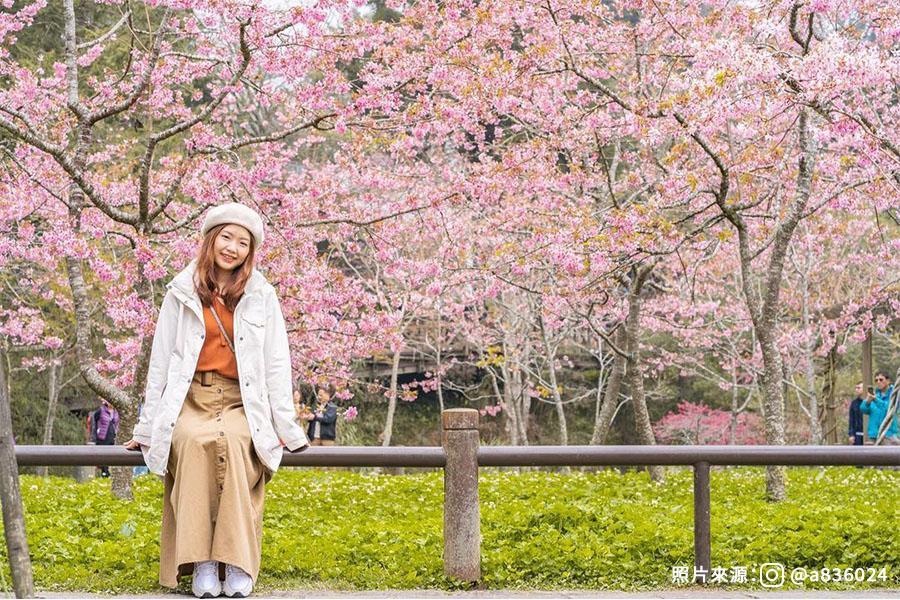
{"x":322,"y":428}
{"x":855,"y":431}
{"x":876,"y":406}
{"x":104,"y":426}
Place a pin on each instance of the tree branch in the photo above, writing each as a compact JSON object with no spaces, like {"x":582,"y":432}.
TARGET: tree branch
{"x":182,"y":223}
{"x":107,"y":35}
{"x":72,"y":99}
{"x":155,"y":139}
{"x":345,"y":221}
{"x":795,"y":33}
{"x":143,"y":82}
{"x":276,"y":136}
{"x":71,"y":170}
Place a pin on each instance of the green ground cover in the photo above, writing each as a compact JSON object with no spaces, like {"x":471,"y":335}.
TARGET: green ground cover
{"x":347,"y":530}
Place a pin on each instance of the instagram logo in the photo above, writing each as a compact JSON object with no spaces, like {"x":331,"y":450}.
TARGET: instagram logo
{"x":771,"y":575}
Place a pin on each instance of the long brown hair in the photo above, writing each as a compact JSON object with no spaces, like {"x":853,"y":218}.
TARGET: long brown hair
{"x":204,"y":275}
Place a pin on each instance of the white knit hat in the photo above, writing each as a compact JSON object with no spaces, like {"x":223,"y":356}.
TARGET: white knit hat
{"x":237,"y":214}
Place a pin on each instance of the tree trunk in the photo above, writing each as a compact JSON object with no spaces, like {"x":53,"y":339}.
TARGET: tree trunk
{"x":557,"y":397}
{"x":52,"y":396}
{"x":830,"y":433}
{"x":634,"y":373}
{"x":773,"y":397}
{"x":514,"y":390}
{"x":765,"y":306}
{"x":440,"y":388}
{"x":522,"y":387}
{"x":602,"y":381}
{"x":11,"y":496}
{"x":603,"y":421}
{"x":392,"y":401}
{"x":439,"y":373}
{"x":103,"y":387}
{"x":809,"y":364}
{"x":122,"y":477}
{"x":510,"y":416}
{"x":732,"y":428}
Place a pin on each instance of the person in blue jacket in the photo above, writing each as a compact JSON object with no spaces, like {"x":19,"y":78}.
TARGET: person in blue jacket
{"x":877,"y":405}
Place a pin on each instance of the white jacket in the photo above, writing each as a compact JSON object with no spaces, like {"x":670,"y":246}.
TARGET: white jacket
{"x":263,"y":364}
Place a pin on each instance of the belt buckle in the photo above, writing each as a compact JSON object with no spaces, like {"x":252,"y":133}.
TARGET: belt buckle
{"x":206,"y":378}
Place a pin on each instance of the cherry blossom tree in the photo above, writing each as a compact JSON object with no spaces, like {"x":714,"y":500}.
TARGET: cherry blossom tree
{"x":736,"y":94}
{"x":697,"y":424}
{"x":137,"y":150}
{"x":517,"y":180}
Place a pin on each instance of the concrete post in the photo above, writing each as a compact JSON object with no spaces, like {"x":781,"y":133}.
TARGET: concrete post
{"x":83,"y":473}
{"x":462,"y":525}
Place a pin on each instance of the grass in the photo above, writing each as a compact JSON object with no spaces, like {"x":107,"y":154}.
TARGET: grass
{"x":540,"y":530}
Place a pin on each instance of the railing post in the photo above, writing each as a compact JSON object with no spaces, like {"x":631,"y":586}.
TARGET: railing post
{"x":702,"y":549}
{"x":462,"y":526}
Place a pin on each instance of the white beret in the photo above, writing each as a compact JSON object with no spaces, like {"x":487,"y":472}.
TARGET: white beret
{"x":237,"y":214}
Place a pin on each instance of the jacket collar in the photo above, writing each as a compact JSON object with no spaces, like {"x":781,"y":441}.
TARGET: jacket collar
{"x":184,"y":282}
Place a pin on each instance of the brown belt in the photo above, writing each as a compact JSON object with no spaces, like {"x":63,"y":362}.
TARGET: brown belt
{"x":206,"y":378}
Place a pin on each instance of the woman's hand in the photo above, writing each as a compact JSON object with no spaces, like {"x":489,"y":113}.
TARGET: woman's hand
{"x":132,"y":445}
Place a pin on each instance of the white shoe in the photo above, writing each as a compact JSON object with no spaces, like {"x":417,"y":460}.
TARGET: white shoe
{"x":238,"y":584}
{"x":206,"y":582}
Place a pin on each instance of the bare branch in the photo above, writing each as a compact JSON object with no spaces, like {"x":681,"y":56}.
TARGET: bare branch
{"x":271,"y":137}
{"x":182,"y":223}
{"x":605,"y":336}
{"x":107,"y":35}
{"x":209,"y":108}
{"x":194,"y":57}
{"x":345,"y":221}
{"x":22,"y":117}
{"x":841,"y":191}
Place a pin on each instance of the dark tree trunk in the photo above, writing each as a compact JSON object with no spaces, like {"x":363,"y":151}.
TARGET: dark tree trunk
{"x":11,"y":496}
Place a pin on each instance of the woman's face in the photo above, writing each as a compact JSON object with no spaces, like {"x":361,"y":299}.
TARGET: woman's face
{"x":231,"y":247}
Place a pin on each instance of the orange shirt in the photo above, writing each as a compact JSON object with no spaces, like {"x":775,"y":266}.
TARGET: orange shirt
{"x":215,"y":354}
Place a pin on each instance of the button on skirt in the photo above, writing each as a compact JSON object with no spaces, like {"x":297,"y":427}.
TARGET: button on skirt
{"x":215,"y":485}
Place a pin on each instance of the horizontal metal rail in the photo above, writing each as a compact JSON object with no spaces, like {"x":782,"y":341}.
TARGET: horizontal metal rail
{"x":320,"y":456}
{"x":461,"y":508}
{"x":502,"y":456}
{"x":507,"y":456}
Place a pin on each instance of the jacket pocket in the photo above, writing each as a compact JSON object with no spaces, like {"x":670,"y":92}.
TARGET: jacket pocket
{"x":254,"y":327}
{"x":255,"y":316}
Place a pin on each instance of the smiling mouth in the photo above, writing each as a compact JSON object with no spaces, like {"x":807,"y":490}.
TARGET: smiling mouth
{"x":228,"y":258}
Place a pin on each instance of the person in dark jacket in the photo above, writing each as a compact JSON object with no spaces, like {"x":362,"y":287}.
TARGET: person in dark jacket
{"x":322,"y":429}
{"x":104,"y":424}
{"x":856,"y":432}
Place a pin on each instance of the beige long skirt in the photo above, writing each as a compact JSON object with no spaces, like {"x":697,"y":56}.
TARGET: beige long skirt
{"x":215,"y":486}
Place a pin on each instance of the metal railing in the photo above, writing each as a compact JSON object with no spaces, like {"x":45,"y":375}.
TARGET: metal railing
{"x":461,"y":457}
